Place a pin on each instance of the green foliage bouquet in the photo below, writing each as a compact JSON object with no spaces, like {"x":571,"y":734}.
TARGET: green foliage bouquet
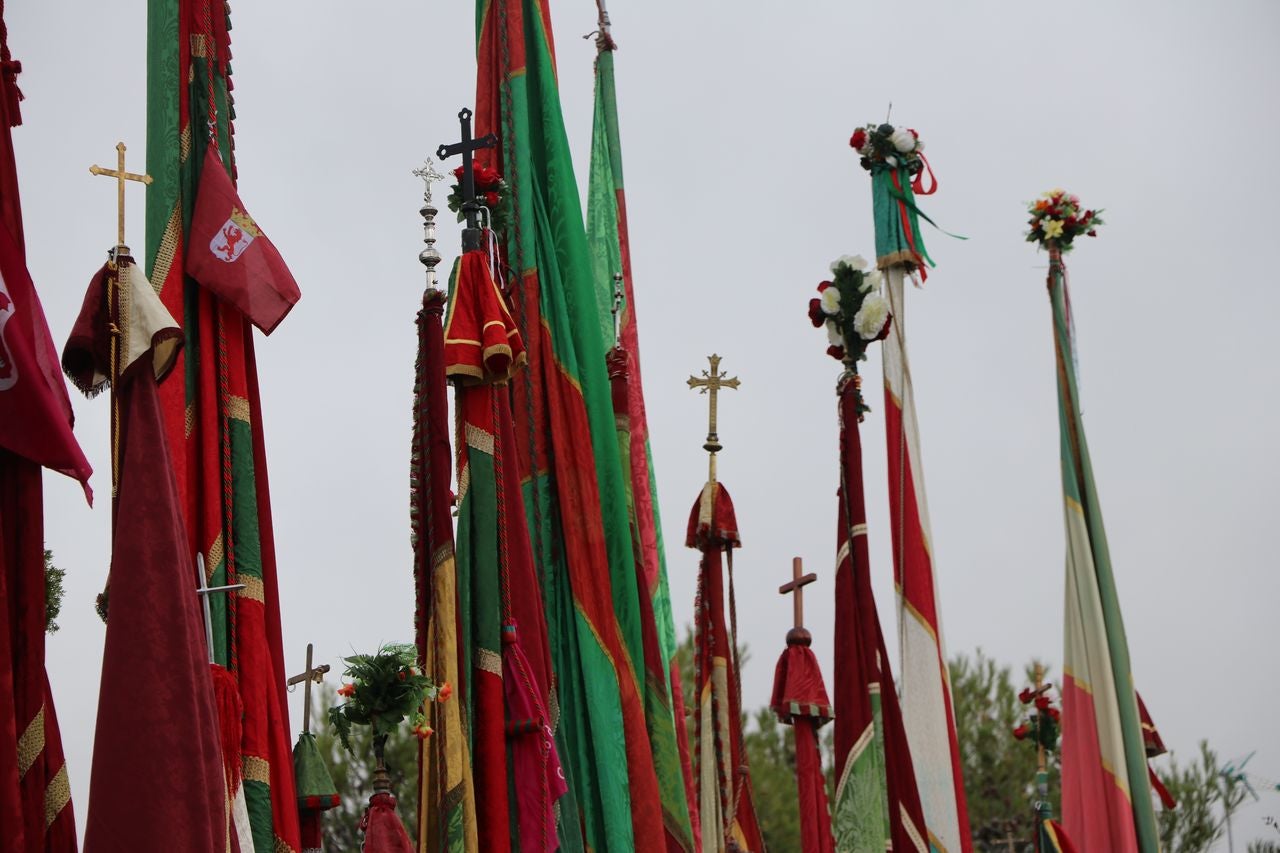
{"x":384,"y":689}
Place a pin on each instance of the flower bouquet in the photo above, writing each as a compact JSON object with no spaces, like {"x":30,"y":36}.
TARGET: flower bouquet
{"x":384,"y":689}
{"x":1043,"y":723}
{"x":1057,"y":219}
{"x":492,"y":193}
{"x":853,"y":310}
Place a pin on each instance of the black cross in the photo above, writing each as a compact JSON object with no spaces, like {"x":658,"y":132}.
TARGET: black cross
{"x":468,"y":185}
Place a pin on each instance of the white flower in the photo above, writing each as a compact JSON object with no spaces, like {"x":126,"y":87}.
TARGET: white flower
{"x":853,"y":262}
{"x":891,"y":160}
{"x":830,"y":300}
{"x":903,"y":140}
{"x":833,"y":333}
{"x":871,"y":316}
{"x":872,"y":281}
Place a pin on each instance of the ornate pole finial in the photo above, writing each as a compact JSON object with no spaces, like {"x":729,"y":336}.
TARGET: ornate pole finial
{"x":121,"y":176}
{"x":798,"y":635}
{"x":430,"y":256}
{"x":618,"y":296}
{"x":711,"y":383}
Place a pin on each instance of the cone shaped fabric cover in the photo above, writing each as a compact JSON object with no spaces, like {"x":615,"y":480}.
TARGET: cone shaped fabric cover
{"x":800,"y":700}
{"x":230,"y":255}
{"x":383,"y":831}
{"x":30,"y":382}
{"x":726,"y":810}
{"x":157,"y":780}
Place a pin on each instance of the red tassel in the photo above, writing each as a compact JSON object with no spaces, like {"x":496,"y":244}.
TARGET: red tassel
{"x":226,"y":694}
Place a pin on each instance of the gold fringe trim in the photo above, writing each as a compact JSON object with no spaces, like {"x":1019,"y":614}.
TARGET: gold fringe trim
{"x":189,"y":420}
{"x":31,"y":744}
{"x":256,"y":769}
{"x":489,"y":661}
{"x":253,"y":588}
{"x":56,"y":796}
{"x":238,"y":409}
{"x":282,"y":846}
{"x":215,"y":557}
{"x":479,"y":439}
{"x":166,"y":253}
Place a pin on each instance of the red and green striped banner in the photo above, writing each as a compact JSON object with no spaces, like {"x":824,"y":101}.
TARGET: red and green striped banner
{"x":1106,"y":795}
{"x":213,"y":418}
{"x":574,"y":486}
{"x":611,"y":257}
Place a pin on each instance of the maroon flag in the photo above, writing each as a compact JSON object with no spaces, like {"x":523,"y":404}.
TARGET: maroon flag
{"x":230,"y":255}
{"x":157,"y":780}
{"x":35,"y":431}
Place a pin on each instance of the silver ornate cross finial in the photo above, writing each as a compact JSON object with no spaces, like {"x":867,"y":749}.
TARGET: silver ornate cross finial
{"x":429,"y":176}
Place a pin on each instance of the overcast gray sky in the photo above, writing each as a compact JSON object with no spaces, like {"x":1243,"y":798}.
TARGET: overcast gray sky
{"x":735,"y":120}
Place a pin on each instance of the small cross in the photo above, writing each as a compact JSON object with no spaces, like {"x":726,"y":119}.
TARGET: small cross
{"x":121,"y":176}
{"x":429,"y":176}
{"x":312,"y":675}
{"x":466,"y":147}
{"x":204,"y":591}
{"x":711,"y":383}
{"x":798,"y":634}
{"x":617,"y":308}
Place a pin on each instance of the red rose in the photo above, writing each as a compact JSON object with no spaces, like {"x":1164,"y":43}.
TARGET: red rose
{"x":400,"y":676}
{"x":859,"y":139}
{"x":1054,"y":714}
{"x":816,"y":315}
{"x":836,"y":352}
{"x":458,"y":172}
{"x":491,"y":199}
{"x":486,"y":177}
{"x":1042,"y":702}
{"x":1026,"y":696}
{"x":347,"y":690}
{"x":445,"y":691}
{"x":1093,"y":233}
{"x":1020,"y":732}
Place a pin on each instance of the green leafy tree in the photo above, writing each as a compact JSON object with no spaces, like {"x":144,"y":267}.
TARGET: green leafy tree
{"x":1263,"y":846}
{"x":52,"y":592}
{"x":771,"y":753}
{"x":352,"y":773}
{"x":1193,"y":826}
{"x":999,"y":771}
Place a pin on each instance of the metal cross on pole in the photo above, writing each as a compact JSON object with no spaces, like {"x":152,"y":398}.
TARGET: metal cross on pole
{"x":711,"y":383}
{"x":312,"y":675}
{"x":471,"y":234}
{"x":121,"y":176}
{"x":204,"y":591}
{"x":798,"y":635}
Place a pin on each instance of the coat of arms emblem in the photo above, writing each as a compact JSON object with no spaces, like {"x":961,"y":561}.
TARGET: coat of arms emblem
{"x":234,"y":236}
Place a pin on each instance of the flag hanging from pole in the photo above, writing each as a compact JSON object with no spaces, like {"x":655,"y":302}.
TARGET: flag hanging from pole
{"x":35,"y":794}
{"x":877,"y":805}
{"x":927,"y":709}
{"x":157,"y":780}
{"x":213,"y":418}
{"x":1106,"y":793}
{"x":574,"y":486}
{"x":518,"y":775}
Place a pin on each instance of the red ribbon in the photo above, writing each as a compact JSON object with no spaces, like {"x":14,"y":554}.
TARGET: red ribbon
{"x":917,"y":185}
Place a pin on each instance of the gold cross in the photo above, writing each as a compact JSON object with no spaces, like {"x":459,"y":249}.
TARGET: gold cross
{"x":313,"y":675}
{"x":796,"y":586}
{"x":711,"y":383}
{"x":121,"y":176}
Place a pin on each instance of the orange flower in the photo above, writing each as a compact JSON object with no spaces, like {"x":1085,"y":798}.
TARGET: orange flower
{"x":423,"y":731}
{"x":1042,"y":204}
{"x":347,"y":690}
{"x":445,"y":691}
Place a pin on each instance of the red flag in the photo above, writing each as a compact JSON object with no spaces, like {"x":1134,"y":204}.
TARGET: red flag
{"x":157,"y":781}
{"x":230,"y":255}
{"x":35,"y":411}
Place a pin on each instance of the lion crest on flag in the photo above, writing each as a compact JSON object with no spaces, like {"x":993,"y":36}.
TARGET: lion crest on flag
{"x":234,"y":236}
